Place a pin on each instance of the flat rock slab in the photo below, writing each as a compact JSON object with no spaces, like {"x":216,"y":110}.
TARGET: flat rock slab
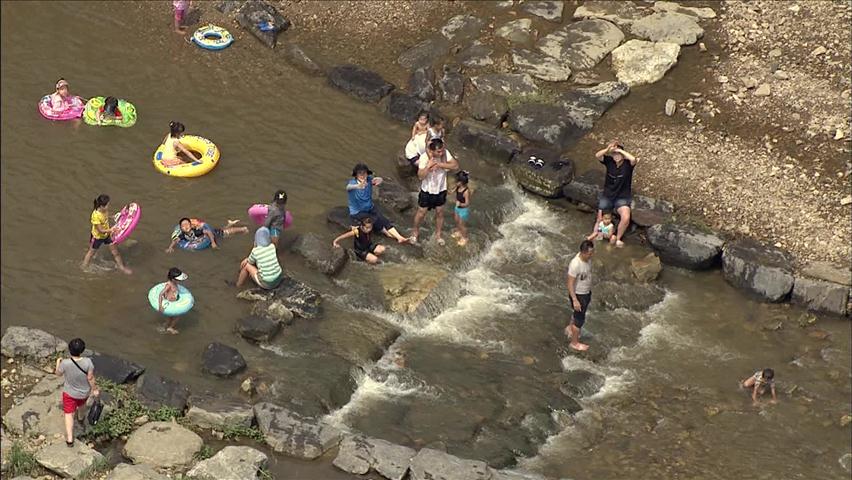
{"x":291,"y":295}
{"x":215,"y":411}
{"x":116,"y":370}
{"x":507,"y":84}
{"x":358,"y":454}
{"x":698,"y":12}
{"x":319,"y":254}
{"x":686,"y":246}
{"x":359,"y":82}
{"x":31,"y":343}
{"x":585,"y":105}
{"x":258,"y":328}
{"x":620,"y":12}
{"x":299,"y":59}
{"x":405,"y":107}
{"x":290,"y":433}
{"x":546,"y":181}
{"x":489,"y":141}
{"x":669,"y":27}
{"x":407,"y":286}
{"x":488,"y":107}
{"x":548,"y":10}
{"x":67,"y":462}
{"x":821,"y":296}
{"x":162,"y":445}
{"x":431,"y":464}
{"x":255,"y":13}
{"x":156,"y":391}
{"x":40,"y":412}
{"x":124,"y":471}
{"x":452,"y":85}
{"x":394,"y":196}
{"x":638,"y":62}
{"x":425,"y":53}
{"x":828,"y":272}
{"x":516,"y":31}
{"x":222,"y":360}
{"x":421,"y":84}
{"x":585,"y":188}
{"x":635,"y":297}
{"x":462,"y":27}
{"x":540,"y":66}
{"x":582,"y":45}
{"x":762,"y":270}
{"x":545,"y":123}
{"x":476,"y":55}
{"x":231,"y":463}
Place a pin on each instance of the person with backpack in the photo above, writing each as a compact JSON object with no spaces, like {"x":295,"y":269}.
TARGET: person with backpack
{"x":79,"y":373}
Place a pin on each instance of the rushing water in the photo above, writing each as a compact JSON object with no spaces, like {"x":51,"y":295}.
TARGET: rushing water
{"x":481,"y":368}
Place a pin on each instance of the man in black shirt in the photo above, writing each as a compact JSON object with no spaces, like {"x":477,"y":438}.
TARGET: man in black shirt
{"x":617,"y":193}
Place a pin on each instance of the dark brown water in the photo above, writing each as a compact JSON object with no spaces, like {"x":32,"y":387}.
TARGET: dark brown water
{"x":482,"y":362}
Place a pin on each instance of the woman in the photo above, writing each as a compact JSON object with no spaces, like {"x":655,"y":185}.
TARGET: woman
{"x":79,"y":374}
{"x":262,"y":263}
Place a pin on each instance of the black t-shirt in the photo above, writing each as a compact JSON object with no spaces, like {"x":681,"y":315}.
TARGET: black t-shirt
{"x":191,"y":236}
{"x":618,"y":178}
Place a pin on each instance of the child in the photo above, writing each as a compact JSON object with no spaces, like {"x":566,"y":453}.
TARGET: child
{"x":759,"y":382}
{"x":262,"y":263}
{"x":275,"y":216}
{"x":605,"y":229}
{"x":110,"y":110}
{"x":101,"y":233}
{"x":192,"y":231}
{"x":421,"y":125}
{"x":172,"y":145}
{"x":170,"y":292}
{"x":60,"y":99}
{"x":79,"y":375}
{"x":436,"y":128}
{"x":462,"y":203}
{"x":181,"y":6}
{"x":364,"y":247}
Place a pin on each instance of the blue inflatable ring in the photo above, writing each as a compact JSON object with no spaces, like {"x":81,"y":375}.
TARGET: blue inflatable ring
{"x":211,"y":37}
{"x":201,"y":244}
{"x":183,"y":304}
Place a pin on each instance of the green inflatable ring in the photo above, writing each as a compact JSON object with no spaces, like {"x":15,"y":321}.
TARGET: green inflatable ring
{"x":128,"y":113}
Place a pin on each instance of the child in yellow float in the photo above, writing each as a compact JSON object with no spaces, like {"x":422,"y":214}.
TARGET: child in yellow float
{"x":101,"y":234}
{"x":172,"y":145}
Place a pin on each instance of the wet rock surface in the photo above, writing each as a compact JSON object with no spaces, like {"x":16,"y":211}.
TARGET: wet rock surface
{"x":406,"y":286}
{"x":488,"y":107}
{"x":299,"y":59}
{"x":216,"y":411}
{"x":359,"y":454}
{"x":547,"y":180}
{"x":155,"y":391}
{"x":114,"y":369}
{"x":489,"y":141}
{"x":425,"y":53}
{"x":620,"y":12}
{"x":319,"y":254}
{"x":686,"y":246}
{"x":222,"y":360}
{"x":548,"y":124}
{"x":670,"y":27}
{"x":821,"y":296}
{"x":636,"y":297}
{"x":540,"y":66}
{"x":359,"y":82}
{"x":422,"y":84}
{"x":258,"y":328}
{"x":431,"y":464}
{"x":476,"y":55}
{"x":291,"y":295}
{"x":289,"y":433}
{"x":256,"y":13}
{"x":404,"y":106}
{"x":762,"y":270}
{"x":452,"y":84}
{"x":585,"y":188}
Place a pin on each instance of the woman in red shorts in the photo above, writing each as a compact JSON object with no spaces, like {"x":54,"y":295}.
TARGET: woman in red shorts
{"x":79,"y":373}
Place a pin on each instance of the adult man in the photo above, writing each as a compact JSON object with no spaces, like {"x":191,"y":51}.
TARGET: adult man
{"x":580,"y":291}
{"x":360,"y":192}
{"x":617,"y":190}
{"x":432,"y":171}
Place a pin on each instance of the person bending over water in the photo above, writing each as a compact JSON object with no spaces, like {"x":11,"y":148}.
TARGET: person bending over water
{"x":193,"y":231}
{"x":172,"y":146}
{"x":101,"y":234}
{"x":363,"y":244}
{"x":760,"y":382}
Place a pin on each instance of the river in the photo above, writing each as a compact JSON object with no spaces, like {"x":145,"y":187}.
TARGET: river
{"x":478,"y":369}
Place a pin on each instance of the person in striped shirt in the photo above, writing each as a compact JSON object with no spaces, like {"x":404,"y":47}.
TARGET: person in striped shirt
{"x":262,"y":263}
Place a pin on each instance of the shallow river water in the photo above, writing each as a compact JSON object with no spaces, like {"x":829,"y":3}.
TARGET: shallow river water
{"x":482,"y":368}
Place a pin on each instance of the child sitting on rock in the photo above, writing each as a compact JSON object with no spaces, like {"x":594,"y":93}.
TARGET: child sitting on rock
{"x":760,"y":382}
{"x":605,"y":229}
{"x":363,"y":244}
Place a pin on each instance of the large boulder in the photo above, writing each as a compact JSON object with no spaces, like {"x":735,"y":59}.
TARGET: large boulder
{"x":425,"y":53}
{"x":31,"y":343}
{"x":821,"y":296}
{"x":431,"y":464}
{"x":697,"y":12}
{"x":647,"y":268}
{"x":546,"y":9}
{"x":585,"y":188}
{"x":452,"y":84}
{"x":320,"y":254}
{"x":125,"y":471}
{"x":231,"y":463}
{"x":222,"y":360}
{"x":489,"y":141}
{"x":407,"y":286}
{"x":359,"y":82}
{"x":116,"y":370}
{"x":163,"y":445}
{"x":516,"y":31}
{"x":289,"y":433}
{"x":404,"y":106}
{"x":255,"y":13}
{"x":462,"y":27}
{"x":507,"y":84}
{"x":476,"y":55}
{"x":620,"y":12}
{"x":585,"y":105}
{"x":393,"y":196}
{"x":686,"y":246}
{"x":763,"y":270}
{"x":637,"y":297}
{"x":362,"y":339}
{"x":258,"y":328}
{"x":68,"y":462}
{"x":488,"y":107}
{"x":358,"y":454}
{"x":547,"y":180}
{"x":40,"y":412}
{"x":155,"y":391}
{"x":421,"y":84}
{"x":215,"y":411}
{"x":668,"y":27}
{"x":638,"y":62}
{"x":581,"y":45}
{"x":291,"y":295}
{"x":541,"y":66}
{"x":545,"y":123}
{"x":581,"y":383}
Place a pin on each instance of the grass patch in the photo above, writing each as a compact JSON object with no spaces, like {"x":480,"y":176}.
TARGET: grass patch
{"x":231,"y":432}
{"x":99,"y":466}
{"x":205,"y":453}
{"x":21,"y":462}
{"x":164,"y":414}
{"x":126,"y":409}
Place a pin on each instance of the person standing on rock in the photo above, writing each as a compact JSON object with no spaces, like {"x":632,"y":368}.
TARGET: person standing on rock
{"x":432,"y":171}
{"x":617,"y":192}
{"x":580,"y":291}
{"x":79,"y":374}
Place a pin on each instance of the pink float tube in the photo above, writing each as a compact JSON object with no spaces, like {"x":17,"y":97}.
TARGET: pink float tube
{"x":258,"y":211}
{"x":125,"y":222}
{"x":73,"y":109}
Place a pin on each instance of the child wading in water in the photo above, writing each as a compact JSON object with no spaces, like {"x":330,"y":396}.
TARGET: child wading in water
{"x":171,"y":293}
{"x":462,"y":212}
{"x":363,"y":244}
{"x":605,"y":229}
{"x":759,"y":383}
{"x":192,"y":231}
{"x":276,"y":216}
{"x":101,"y":234}
{"x":181,"y":6}
{"x":172,"y":146}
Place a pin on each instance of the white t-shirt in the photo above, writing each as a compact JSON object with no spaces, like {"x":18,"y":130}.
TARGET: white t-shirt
{"x":582,"y":272}
{"x":416,"y":146}
{"x":435,"y":181}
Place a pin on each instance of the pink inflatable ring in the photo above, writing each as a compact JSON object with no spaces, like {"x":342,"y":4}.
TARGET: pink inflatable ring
{"x":125,"y":222}
{"x":258,"y":212}
{"x":73,"y":109}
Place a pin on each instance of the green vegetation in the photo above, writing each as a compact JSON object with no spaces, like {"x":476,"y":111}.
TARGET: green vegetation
{"x":95,"y":470}
{"x":126,"y":409}
{"x":205,"y":453}
{"x":164,"y":414}
{"x":231,"y":432}
{"x":21,"y":462}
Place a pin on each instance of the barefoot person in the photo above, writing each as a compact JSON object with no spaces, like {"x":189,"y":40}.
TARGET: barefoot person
{"x":761,"y":382}
{"x":617,"y":190}
{"x":580,"y":291}
{"x":360,"y":192}
{"x":79,"y":375}
{"x":432,"y":171}
{"x":262,"y":264}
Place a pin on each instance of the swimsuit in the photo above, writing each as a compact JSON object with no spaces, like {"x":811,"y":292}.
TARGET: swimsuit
{"x":462,"y":212}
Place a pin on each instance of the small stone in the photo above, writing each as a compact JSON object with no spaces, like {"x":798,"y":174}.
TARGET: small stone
{"x":219,"y":435}
{"x":671,"y":105}
{"x":775,"y":53}
{"x":141,"y":420}
{"x":781,"y":75}
{"x":10,"y":361}
{"x":750,"y":82}
{"x":702,"y":47}
{"x":845,"y":420}
{"x":847,"y":200}
{"x":794,"y":8}
{"x":723,"y":79}
{"x":762,"y":91}
{"x":818,"y":51}
{"x":247,"y":386}
{"x":838,"y":135}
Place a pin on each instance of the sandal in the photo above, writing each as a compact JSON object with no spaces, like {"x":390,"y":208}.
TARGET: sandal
{"x":532,"y":160}
{"x":539,"y":163}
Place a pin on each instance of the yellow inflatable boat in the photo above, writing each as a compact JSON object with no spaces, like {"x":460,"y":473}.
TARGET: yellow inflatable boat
{"x":199,"y":145}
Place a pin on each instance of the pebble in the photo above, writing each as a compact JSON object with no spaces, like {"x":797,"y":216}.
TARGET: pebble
{"x":722,"y":79}
{"x":749,"y":82}
{"x":838,"y":135}
{"x":762,"y":91}
{"x":671,"y":106}
{"x":702,"y":47}
{"x":847,"y":200}
{"x":794,"y":8}
{"x":775,"y":52}
{"x":781,"y":75}
{"x":818,"y":51}
{"x":11,"y":360}
{"x":141,"y":420}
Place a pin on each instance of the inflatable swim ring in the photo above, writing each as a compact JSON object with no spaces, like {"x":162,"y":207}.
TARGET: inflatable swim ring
{"x":72,"y":110}
{"x":211,"y":37}
{"x":200,"y":244}
{"x":183,"y":304}
{"x":125,"y":222}
{"x":258,"y":211}
{"x":209,"y":158}
{"x":93,"y":106}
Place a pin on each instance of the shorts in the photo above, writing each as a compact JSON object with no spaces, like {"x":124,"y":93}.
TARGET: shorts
{"x":605,"y":203}
{"x":96,"y":243}
{"x":462,"y":212}
{"x":579,"y":318}
{"x":265,"y":285}
{"x":179,"y":14}
{"x":413,"y":160}
{"x":380,"y":223}
{"x":273,"y":231}
{"x":218,"y":233}
{"x":431,"y":200}
{"x":362,"y":254}
{"x":71,"y":404}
